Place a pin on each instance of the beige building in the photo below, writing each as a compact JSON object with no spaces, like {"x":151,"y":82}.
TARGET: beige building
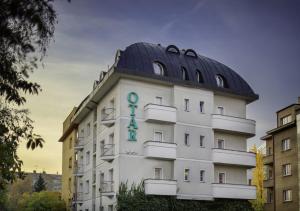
{"x":68,"y":157}
{"x":282,"y":161}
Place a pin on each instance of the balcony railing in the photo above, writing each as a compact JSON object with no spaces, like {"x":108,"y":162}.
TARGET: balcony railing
{"x":107,"y":188}
{"x":162,"y":150}
{"x":268,"y":159}
{"x":107,"y":152}
{"x":78,"y":197}
{"x":233,"y":157}
{"x":160,"y":113}
{"x":78,"y":169}
{"x":268,"y":183}
{"x":234,"y":191}
{"x":78,"y":143}
{"x":233,"y":124}
{"x":108,"y":116}
{"x":160,"y":187}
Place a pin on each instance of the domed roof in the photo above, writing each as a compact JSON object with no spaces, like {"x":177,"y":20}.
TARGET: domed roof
{"x":137,"y":59}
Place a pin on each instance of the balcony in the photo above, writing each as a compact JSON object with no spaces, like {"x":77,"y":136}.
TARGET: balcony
{"x":233,"y":191}
{"x":78,"y":145}
{"x":108,"y":117}
{"x":78,"y":170}
{"x":160,"y":150}
{"x":233,"y":124}
{"x":268,"y":160}
{"x":107,"y":152}
{"x":107,"y":188}
{"x":232,"y":157}
{"x":160,"y":187}
{"x":268,"y":183}
{"x":78,"y":197}
{"x":160,"y":113}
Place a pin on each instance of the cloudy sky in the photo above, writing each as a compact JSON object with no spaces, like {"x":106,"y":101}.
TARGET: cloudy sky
{"x":258,"y":39}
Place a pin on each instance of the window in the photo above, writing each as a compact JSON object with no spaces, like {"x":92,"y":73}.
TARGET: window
{"x":70,"y":162}
{"x":70,"y":143}
{"x":287,"y":195}
{"x":199,"y":76}
{"x":158,"y":69}
{"x":186,"y":139}
{"x":201,"y":106}
{"x":158,"y":173}
{"x":202,"y":174}
{"x":269,"y":152}
{"x":270,"y":173}
{"x":220,"y":110}
{"x":286,"y":144}
{"x":220,"y":81}
{"x":88,"y":155}
{"x":286,"y":119}
{"x":158,"y":136}
{"x":110,"y":207}
{"x":101,"y":208}
{"x":184,"y":74}
{"x":186,"y":175}
{"x":269,"y":195}
{"x":221,"y":144}
{"x":88,"y":129}
{"x":95,"y":115}
{"x":222,"y":178}
{"x":158,"y":100}
{"x":102,"y":147}
{"x":69,"y":183}
{"x":82,"y":133}
{"x":201,"y":141}
{"x":287,"y":169}
{"x":186,"y":105}
{"x":87,"y":186}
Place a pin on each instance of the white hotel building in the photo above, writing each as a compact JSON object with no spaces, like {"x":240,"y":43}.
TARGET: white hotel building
{"x":184,"y":134}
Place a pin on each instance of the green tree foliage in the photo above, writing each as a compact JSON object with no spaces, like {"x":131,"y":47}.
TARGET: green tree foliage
{"x":26,"y":28}
{"x":39,"y":185}
{"x":41,"y":201}
{"x":3,"y":199}
{"x":134,"y":199}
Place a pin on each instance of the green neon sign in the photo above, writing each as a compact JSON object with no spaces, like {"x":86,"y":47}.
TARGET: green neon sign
{"x":133,"y":99}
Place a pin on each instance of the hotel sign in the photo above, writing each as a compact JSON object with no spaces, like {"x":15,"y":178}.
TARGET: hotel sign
{"x":132,"y":99}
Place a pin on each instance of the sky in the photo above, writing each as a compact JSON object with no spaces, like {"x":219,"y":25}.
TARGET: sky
{"x":258,"y":39}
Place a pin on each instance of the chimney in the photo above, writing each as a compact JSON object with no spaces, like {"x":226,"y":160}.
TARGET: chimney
{"x":299,"y":100}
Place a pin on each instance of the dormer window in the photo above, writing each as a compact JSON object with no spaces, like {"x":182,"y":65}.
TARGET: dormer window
{"x":220,"y":81}
{"x":172,"y":49}
{"x":184,"y":74}
{"x":158,"y":69}
{"x":199,"y":76}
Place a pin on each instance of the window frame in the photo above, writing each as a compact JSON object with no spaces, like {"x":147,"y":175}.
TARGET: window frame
{"x":201,"y":107}
{"x":284,"y":145}
{"x":162,"y":135}
{"x":186,"y":172}
{"x":287,"y":169}
{"x":186,"y":139}
{"x":202,"y":180}
{"x":285,"y":195}
{"x":202,"y":141}
{"x":161,"y":172}
{"x":220,"y":139}
{"x":186,"y":105}
{"x":162,"y":71}
{"x":224,"y":173}
{"x":160,"y":99}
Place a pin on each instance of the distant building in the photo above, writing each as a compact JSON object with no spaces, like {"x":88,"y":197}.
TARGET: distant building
{"x":68,"y":140}
{"x":169,"y":118}
{"x":282,"y":160}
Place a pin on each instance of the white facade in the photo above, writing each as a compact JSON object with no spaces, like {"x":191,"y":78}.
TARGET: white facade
{"x":174,"y":144}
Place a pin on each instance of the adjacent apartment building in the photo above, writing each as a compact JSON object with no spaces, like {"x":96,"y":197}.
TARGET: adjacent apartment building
{"x":170,"y":118}
{"x":282,"y":161}
{"x":68,"y":139}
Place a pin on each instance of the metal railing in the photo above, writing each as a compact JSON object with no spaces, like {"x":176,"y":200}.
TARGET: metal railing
{"x":78,"y":168}
{"x":108,"y":114}
{"x":107,"y":186}
{"x":78,"y":142}
{"x":107,"y":150}
{"x":78,"y":196}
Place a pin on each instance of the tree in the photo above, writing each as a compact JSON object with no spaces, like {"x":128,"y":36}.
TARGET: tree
{"x":39,"y":185}
{"x":258,"y":180}
{"x":41,"y":201}
{"x":26,"y":28}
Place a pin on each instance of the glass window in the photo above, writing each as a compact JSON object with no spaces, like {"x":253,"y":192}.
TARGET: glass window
{"x":220,"y":81}
{"x":201,"y":141}
{"x":186,"y":174}
{"x":287,"y":195}
{"x":186,"y":105}
{"x":220,"y":110}
{"x":158,"y":69}
{"x":201,"y":106}
{"x":286,"y":144}
{"x":158,"y":136}
{"x":221,"y":144}
{"x":202,"y":174}
{"x":158,"y":173}
{"x":286,"y":119}
{"x":88,"y":155}
{"x":88,"y":128}
{"x":187,"y":139}
{"x":287,"y":169}
{"x":70,"y":162}
{"x":222,"y":178}
{"x":87,"y":186}
{"x":199,"y":76}
{"x":184,"y":74}
{"x":269,"y":195}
